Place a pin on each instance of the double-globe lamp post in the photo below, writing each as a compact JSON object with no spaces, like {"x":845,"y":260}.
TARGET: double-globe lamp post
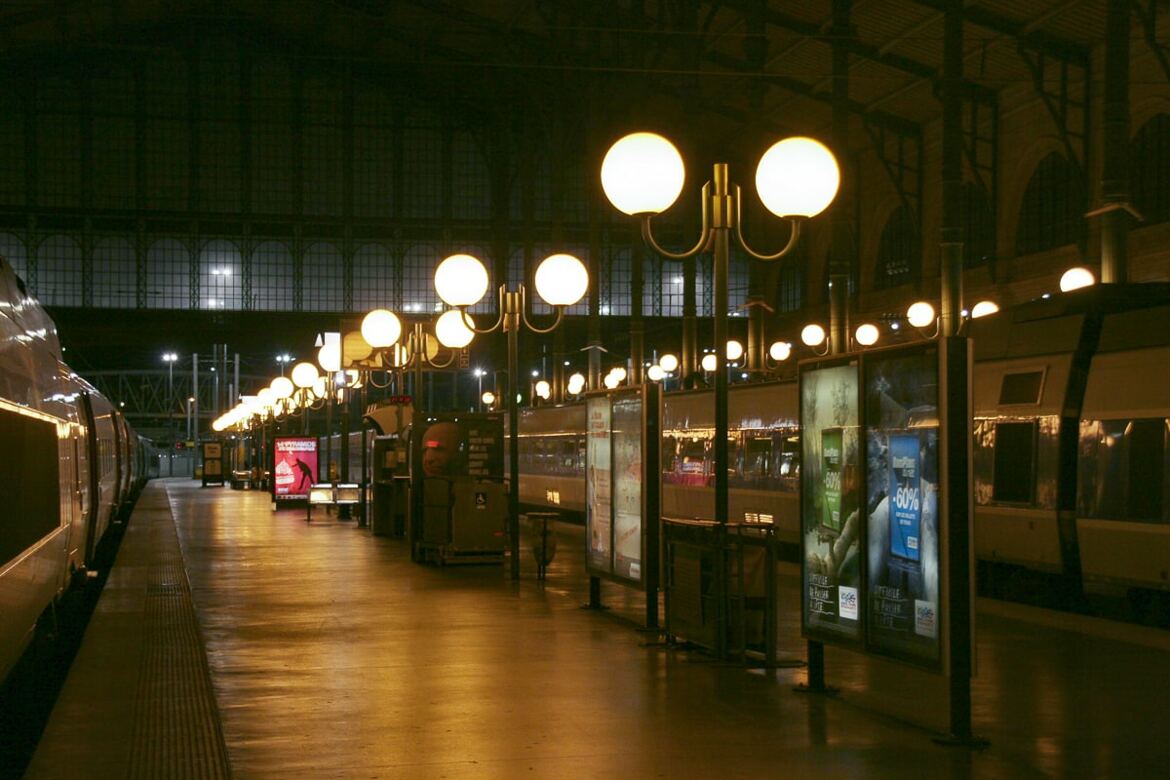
{"x":797,"y":178}
{"x":561,"y":280}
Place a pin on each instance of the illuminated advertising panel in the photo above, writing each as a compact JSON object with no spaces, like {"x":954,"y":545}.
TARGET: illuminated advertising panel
{"x":902,"y":444}
{"x":626,"y":441}
{"x":295,"y":469}
{"x":598,"y":500}
{"x":461,"y":445}
{"x":830,"y":487}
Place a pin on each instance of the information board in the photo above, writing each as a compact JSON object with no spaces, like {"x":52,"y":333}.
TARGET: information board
{"x":902,"y":444}
{"x":598,"y":500}
{"x":830,"y":491}
{"x":461,"y":445}
{"x":295,"y":469}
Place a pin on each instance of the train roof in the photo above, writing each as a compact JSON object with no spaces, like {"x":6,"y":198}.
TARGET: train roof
{"x":33,"y":324}
{"x":1134,"y":315}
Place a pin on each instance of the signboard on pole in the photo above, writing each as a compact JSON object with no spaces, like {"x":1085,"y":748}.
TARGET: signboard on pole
{"x":830,"y":492}
{"x":902,"y":455}
{"x":295,"y":469}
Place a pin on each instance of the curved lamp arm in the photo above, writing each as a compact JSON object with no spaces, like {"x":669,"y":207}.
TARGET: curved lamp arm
{"x":648,"y":234}
{"x":529,"y":325}
{"x":793,"y":237}
{"x":375,"y":385}
{"x":469,"y":323}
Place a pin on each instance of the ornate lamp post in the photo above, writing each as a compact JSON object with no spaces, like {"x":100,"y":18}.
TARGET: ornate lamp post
{"x":461,"y":281}
{"x":797,"y":178}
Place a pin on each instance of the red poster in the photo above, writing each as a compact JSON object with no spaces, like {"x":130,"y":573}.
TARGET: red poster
{"x":296,"y":466}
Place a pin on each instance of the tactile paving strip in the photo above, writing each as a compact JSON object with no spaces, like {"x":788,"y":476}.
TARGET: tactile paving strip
{"x":176,"y":730}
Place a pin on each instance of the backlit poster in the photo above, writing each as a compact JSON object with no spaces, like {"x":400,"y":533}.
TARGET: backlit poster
{"x":626,"y":442}
{"x":830,"y":487}
{"x":901,"y":415}
{"x":295,"y":470}
{"x":598,"y":504}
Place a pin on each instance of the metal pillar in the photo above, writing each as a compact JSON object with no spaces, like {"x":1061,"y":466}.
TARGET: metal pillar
{"x":1115,"y":128}
{"x":512,"y":328}
{"x":195,"y":395}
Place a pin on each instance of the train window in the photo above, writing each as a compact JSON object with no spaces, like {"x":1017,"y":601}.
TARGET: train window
{"x":757,"y":461}
{"x":1021,"y":388}
{"x":30,"y":490}
{"x":1122,"y":472}
{"x":1015,"y":462}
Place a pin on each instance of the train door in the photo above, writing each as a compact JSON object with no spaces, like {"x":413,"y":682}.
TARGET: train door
{"x":93,"y":461}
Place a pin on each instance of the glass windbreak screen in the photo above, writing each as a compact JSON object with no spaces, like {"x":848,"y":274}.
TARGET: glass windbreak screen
{"x":1122,"y":472}
{"x":1015,"y":459}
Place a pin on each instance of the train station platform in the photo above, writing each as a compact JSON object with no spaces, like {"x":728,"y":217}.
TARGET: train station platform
{"x":234,"y":641}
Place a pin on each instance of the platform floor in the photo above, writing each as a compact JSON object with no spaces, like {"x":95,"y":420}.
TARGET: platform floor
{"x":234,"y":641}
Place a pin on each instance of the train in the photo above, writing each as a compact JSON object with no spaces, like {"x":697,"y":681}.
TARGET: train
{"x":1070,"y":440}
{"x":73,"y":466}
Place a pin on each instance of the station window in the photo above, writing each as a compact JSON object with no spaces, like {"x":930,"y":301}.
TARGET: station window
{"x":1149,"y":170}
{"x":978,"y":226}
{"x":12,"y":148}
{"x":168,"y":275}
{"x":322,"y":147}
{"x":115,"y":274}
{"x":373,"y":152}
{"x":1015,"y":462}
{"x":470,"y":190}
{"x":221,"y":278}
{"x":1122,"y":472}
{"x":58,"y":136}
{"x":273,"y":277}
{"x":59,"y":281}
{"x":1052,"y":209}
{"x":12,"y":249}
{"x":373,"y":278}
{"x":418,"y":280}
{"x":324,"y":279}
{"x":900,"y":251}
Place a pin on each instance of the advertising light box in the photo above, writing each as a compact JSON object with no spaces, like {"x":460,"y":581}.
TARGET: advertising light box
{"x":830,"y":501}
{"x":598,"y":503}
{"x":626,"y":442}
{"x":622,"y":496}
{"x":295,"y":469}
{"x":902,"y":445}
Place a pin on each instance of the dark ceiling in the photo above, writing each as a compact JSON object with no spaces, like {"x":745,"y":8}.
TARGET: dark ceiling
{"x":724,"y":71}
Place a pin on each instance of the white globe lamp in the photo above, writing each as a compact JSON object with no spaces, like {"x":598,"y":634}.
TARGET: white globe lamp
{"x":461,"y":280}
{"x":797,"y":177}
{"x":381,"y":328}
{"x":642,"y":173}
{"x":452,"y":331}
{"x":561,"y":280}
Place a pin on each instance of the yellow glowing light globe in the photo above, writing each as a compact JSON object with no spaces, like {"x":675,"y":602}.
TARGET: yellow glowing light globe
{"x":354,"y":347}
{"x":655,"y":373}
{"x":561,"y":280}
{"x":812,"y":335}
{"x":1076,"y":278}
{"x":642,"y":173}
{"x":866,"y":334}
{"x":381,"y":328}
{"x":797,"y":177}
{"x":709,"y":361}
{"x":452,"y":331}
{"x":668,"y":362}
{"x":734,"y":350}
{"x":282,"y":387}
{"x":619,"y":372}
{"x":461,"y":280}
{"x":780,"y":350}
{"x":983,"y":308}
{"x":543,"y":389}
{"x":920,"y":314}
{"x":304,"y":374}
{"x":329,"y":357}
{"x":488,"y":398}
{"x":611,"y":381}
{"x":319,"y":389}
{"x":266,"y":397}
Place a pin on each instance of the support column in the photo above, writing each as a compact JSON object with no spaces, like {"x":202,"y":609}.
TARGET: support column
{"x":637,"y":324}
{"x":689,"y":359}
{"x":840,"y":246}
{"x":951,"y":246}
{"x":1114,"y":161}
